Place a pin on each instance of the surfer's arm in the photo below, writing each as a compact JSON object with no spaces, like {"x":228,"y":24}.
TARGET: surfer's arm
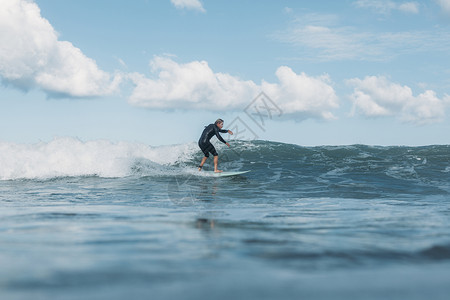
{"x":220,"y":138}
{"x":217,"y":133}
{"x":226,"y":131}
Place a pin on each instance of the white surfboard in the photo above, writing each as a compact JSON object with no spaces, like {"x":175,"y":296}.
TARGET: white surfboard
{"x":225,"y":174}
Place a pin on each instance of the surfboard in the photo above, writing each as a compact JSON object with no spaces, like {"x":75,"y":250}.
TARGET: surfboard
{"x":225,"y":174}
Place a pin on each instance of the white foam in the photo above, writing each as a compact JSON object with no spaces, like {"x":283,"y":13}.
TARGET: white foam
{"x":71,"y":157}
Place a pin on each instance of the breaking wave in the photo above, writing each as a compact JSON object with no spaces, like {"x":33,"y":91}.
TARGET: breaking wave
{"x":70,"y":157}
{"x":372,"y":169}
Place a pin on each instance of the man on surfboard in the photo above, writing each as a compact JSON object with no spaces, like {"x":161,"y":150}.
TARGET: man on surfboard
{"x":206,"y":146}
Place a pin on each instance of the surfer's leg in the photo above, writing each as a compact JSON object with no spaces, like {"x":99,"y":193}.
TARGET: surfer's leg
{"x":205,"y":150}
{"x":216,"y":161}
{"x":202,"y":163}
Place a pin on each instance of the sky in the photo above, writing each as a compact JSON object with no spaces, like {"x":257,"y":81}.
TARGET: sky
{"x":310,"y":73}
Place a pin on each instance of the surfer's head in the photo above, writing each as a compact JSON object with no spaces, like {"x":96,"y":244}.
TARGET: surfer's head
{"x":219,"y":123}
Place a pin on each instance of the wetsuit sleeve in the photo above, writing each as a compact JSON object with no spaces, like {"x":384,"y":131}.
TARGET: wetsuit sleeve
{"x":223,"y":130}
{"x":219,"y":136}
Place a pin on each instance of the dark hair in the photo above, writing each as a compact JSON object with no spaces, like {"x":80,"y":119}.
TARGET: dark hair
{"x":219,"y":121}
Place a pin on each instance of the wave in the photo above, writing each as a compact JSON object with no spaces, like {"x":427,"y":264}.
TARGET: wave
{"x":71,"y":157}
{"x":327,"y":165}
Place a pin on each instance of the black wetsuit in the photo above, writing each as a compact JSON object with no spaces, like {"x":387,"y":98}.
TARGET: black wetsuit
{"x":208,"y":133}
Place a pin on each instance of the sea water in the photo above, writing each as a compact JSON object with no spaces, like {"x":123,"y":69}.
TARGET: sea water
{"x":105,"y":220}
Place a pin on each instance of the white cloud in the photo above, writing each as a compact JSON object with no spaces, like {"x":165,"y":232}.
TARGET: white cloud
{"x":409,"y":7}
{"x":386,"y":6}
{"x":377,"y":97}
{"x":32,"y":56}
{"x":445,"y":5}
{"x":195,"y":85}
{"x":188,"y":4}
{"x":301,"y":94}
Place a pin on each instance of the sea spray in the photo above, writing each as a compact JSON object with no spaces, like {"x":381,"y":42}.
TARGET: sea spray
{"x":72,"y":157}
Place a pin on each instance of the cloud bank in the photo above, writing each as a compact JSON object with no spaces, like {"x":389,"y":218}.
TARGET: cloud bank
{"x":195,"y":85}
{"x":378,"y":97}
{"x":31,"y":56}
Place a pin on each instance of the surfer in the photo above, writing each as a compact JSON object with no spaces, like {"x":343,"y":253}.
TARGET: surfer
{"x":206,"y":146}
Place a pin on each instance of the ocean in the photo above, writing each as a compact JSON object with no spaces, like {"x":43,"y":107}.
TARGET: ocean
{"x":118,"y":220}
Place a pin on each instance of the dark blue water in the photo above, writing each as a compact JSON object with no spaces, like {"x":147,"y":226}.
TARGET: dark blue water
{"x":102,"y":220}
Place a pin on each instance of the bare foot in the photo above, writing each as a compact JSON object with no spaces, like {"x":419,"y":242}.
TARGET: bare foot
{"x":218,"y":171}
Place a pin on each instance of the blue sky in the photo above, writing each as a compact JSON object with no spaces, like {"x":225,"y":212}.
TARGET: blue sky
{"x":332,"y":72}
